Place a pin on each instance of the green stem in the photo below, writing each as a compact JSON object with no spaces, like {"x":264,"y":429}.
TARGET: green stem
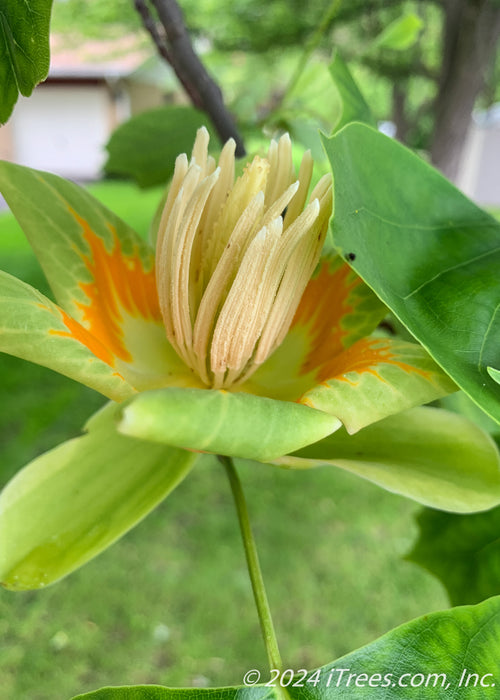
{"x":259,"y":591}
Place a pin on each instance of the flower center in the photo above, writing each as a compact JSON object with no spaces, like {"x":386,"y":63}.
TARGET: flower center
{"x":233,"y":258}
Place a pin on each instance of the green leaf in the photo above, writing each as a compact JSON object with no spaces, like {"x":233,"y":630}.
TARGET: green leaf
{"x":34,"y":328}
{"x":72,"y":502}
{"x":145,"y":147}
{"x":312,"y":99}
{"x":435,"y":457}
{"x":434,"y":656}
{"x":24,"y":50}
{"x":428,"y":252}
{"x":463,"y":551}
{"x":353,"y":104}
{"x":236,"y":425}
{"x":401,"y":34}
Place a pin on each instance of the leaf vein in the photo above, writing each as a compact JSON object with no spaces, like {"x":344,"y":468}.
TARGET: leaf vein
{"x":483,"y":344}
{"x":486,"y":254}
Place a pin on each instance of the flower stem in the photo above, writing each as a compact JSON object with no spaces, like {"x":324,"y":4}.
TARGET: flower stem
{"x":259,"y":591}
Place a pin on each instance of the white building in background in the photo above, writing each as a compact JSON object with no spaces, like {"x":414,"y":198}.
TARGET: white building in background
{"x":479,"y":175}
{"x":65,"y":124}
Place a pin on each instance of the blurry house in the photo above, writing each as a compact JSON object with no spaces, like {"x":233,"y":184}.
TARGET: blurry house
{"x":92,"y":87}
{"x":479,"y":175}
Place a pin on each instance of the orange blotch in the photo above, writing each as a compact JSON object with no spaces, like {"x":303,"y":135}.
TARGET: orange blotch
{"x":78,"y":332}
{"x":325,"y":302}
{"x":119,"y":283}
{"x":363,"y":357}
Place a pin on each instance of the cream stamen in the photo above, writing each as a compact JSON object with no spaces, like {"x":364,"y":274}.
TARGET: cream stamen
{"x":231,"y":266}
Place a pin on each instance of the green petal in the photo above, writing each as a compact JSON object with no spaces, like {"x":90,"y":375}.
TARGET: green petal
{"x":427,"y":251}
{"x":72,"y":502}
{"x":65,"y":225}
{"x":433,"y":456}
{"x":237,"y":425}
{"x":459,"y":402}
{"x":101,"y":272}
{"x":375,"y":378}
{"x":335,"y":311}
{"x":35,"y":329}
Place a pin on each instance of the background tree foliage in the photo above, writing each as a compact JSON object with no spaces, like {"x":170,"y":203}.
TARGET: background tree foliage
{"x":427,"y":90}
{"x":94,"y":18}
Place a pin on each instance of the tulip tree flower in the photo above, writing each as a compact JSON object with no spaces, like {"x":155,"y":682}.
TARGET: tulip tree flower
{"x":241,"y":335}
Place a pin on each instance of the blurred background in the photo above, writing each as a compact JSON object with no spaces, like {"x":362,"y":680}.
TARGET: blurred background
{"x":428,"y":69}
{"x":171,"y":603}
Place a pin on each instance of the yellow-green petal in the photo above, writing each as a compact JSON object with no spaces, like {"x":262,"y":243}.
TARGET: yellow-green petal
{"x":72,"y":502}
{"x":35,"y":329}
{"x":433,"y":456}
{"x":101,"y":272}
{"x":222,"y":422}
{"x":336,"y":309}
{"x":375,"y":378}
{"x":71,"y":233}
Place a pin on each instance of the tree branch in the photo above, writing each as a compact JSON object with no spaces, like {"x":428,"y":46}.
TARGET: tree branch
{"x":161,"y":45}
{"x":150,"y":26}
{"x":176,"y":48}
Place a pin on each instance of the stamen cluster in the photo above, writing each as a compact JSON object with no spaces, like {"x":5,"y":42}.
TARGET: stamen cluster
{"x":233,"y":258}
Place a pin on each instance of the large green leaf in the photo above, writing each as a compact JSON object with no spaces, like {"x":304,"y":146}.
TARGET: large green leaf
{"x":24,"y":49}
{"x":428,"y":252}
{"x":72,"y":502}
{"x":145,"y":147}
{"x":433,"y":456}
{"x":451,"y":654}
{"x":463,"y":551}
{"x":237,"y":425}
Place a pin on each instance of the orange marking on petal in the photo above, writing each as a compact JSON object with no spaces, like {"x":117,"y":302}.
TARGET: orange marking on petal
{"x":364,"y":357}
{"x":324,"y":304}
{"x":305,"y":401}
{"x":119,"y":283}
{"x":78,"y":332}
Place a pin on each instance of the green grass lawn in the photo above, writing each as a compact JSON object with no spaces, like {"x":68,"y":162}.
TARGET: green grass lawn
{"x":171,"y":602}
